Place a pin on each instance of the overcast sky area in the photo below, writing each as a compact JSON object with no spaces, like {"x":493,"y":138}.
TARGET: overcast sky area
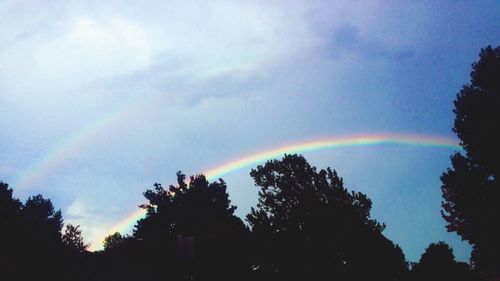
{"x":124,"y":95}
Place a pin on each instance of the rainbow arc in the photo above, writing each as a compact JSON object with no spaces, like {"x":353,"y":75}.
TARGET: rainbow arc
{"x":216,"y":172}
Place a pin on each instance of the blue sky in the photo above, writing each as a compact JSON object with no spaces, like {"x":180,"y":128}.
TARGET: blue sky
{"x":196,"y":84}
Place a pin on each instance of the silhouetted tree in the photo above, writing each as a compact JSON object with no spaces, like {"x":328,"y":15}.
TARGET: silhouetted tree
{"x":10,"y":209}
{"x":40,"y":240}
{"x":10,"y":223}
{"x":73,"y":240}
{"x":9,"y":206}
{"x":31,"y":246}
{"x":438,"y":263}
{"x":77,"y":261}
{"x":471,"y":188}
{"x":114,"y":241}
{"x":307,"y":226}
{"x":122,"y":259}
{"x":42,"y":221}
{"x":200,"y":213}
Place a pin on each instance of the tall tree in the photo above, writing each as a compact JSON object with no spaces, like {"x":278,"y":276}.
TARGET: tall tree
{"x":73,"y":239}
{"x":10,"y":209}
{"x":40,"y":242}
{"x":10,"y":222}
{"x":9,"y":206}
{"x":31,"y":247}
{"x":42,"y":221}
{"x":309,"y":226}
{"x":471,"y":188}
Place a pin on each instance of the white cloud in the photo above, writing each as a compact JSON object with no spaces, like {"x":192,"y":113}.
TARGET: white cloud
{"x":92,"y":49}
{"x":78,"y":213}
{"x":92,"y":222}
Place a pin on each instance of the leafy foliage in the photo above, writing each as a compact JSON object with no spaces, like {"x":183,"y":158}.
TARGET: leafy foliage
{"x":200,"y":211}
{"x":72,"y":239}
{"x":9,"y":206}
{"x":197,"y":208}
{"x":39,"y":214}
{"x":471,"y":188}
{"x":438,"y":263}
{"x":114,"y":241}
{"x":310,"y":226}
{"x":10,"y":223}
{"x":30,"y":236}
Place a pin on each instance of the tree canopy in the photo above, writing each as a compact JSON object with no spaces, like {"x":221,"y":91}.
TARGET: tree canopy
{"x":310,"y":226}
{"x":73,"y":239}
{"x":200,"y":213}
{"x":188,"y":209}
{"x":31,"y":243}
{"x":438,"y":263}
{"x":306,"y":225}
{"x":471,"y":187}
{"x":10,"y":223}
{"x":114,"y":241}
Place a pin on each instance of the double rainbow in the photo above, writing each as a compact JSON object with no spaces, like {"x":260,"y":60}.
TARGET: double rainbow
{"x":127,"y":222}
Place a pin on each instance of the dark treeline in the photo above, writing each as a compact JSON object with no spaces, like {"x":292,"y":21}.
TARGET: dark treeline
{"x":306,"y":226}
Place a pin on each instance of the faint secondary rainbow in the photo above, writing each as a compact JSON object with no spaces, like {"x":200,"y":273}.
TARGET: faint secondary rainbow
{"x":128,"y":222}
{"x":71,"y":145}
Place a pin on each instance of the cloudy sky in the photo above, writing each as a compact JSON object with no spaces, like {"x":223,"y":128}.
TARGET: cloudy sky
{"x":101,"y":99}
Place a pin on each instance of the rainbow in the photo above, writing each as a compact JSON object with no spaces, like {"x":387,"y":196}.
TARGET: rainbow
{"x":69,"y":147}
{"x":126,"y":224}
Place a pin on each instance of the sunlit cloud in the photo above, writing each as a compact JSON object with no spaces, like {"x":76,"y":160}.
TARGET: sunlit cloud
{"x":91,"y":49}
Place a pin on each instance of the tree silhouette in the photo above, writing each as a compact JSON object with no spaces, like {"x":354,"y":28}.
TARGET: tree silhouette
{"x":196,"y":211}
{"x":122,"y":260}
{"x":77,"y":263}
{"x":41,"y":220}
{"x":114,"y":241}
{"x":438,"y":263}
{"x":73,"y":240}
{"x":308,"y":226}
{"x":9,"y":206}
{"x":31,"y":247}
{"x":471,"y":188}
{"x":10,"y":209}
{"x":40,"y":242}
{"x":10,"y":223}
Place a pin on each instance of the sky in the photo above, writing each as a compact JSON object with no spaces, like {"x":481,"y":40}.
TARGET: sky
{"x":99,"y":100}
